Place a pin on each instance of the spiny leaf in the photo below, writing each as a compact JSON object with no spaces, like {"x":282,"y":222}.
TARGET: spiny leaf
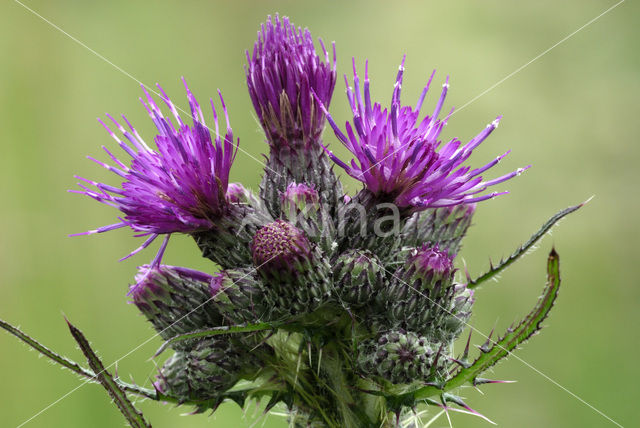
{"x":76,"y":368}
{"x":514,"y":336}
{"x":522,"y":250}
{"x":63,"y":361}
{"x":242,"y":328}
{"x":131,"y":414}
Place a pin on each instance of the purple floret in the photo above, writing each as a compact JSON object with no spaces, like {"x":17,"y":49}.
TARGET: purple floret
{"x":398,"y":156}
{"x":284,"y":63}
{"x":431,"y":258}
{"x":181,"y":187}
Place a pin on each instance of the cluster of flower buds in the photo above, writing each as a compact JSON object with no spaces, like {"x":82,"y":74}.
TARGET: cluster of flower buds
{"x":354,"y":289}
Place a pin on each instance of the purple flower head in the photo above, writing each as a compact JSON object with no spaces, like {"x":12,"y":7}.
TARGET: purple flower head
{"x":181,"y":187}
{"x":279,"y":245}
{"x":399,"y":157}
{"x":281,"y":73}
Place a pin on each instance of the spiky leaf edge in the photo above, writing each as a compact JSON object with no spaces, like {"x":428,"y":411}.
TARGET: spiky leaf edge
{"x":522,"y":250}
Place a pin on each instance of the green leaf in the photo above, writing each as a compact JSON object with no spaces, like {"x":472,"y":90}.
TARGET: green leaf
{"x":131,"y":414}
{"x":242,"y":328}
{"x":492,"y":353}
{"x":522,"y":250}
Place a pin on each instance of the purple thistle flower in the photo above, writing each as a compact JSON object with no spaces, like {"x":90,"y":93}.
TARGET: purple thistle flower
{"x":181,"y":187}
{"x":281,"y":74}
{"x":398,"y":156}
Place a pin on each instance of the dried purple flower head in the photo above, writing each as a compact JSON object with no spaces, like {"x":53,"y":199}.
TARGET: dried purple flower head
{"x":279,"y":245}
{"x":399,"y":157}
{"x":281,"y":73}
{"x":181,"y":187}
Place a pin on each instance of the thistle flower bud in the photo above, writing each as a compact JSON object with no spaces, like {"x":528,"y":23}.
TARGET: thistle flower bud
{"x":298,"y":197}
{"x":442,"y":226}
{"x":176,"y":300}
{"x":239,"y":296}
{"x":421,"y":293}
{"x":431,"y":266}
{"x":300,"y":206}
{"x":358,"y":276}
{"x":237,"y":194}
{"x":173,"y":377}
{"x":400,"y":357}
{"x":278,"y":246}
{"x":295,"y":274}
{"x":210,"y":367}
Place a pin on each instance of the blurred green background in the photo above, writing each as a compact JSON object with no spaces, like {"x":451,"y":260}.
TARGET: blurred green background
{"x":573,"y":114}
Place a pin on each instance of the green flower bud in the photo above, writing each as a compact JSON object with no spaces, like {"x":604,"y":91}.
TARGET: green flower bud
{"x":358,"y":277}
{"x":400,"y":357}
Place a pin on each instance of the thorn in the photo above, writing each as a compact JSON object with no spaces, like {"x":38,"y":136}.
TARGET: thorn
{"x":465,"y":354}
{"x":481,"y":381}
{"x":434,"y":365}
{"x":486,"y":346}
{"x":457,"y":400}
{"x":588,"y":200}
{"x":462,"y":364}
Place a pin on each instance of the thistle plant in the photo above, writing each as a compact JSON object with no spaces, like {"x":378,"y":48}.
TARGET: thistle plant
{"x":340,"y":308}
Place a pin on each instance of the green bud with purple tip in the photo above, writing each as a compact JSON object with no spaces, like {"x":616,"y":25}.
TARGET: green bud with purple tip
{"x":175,"y":300}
